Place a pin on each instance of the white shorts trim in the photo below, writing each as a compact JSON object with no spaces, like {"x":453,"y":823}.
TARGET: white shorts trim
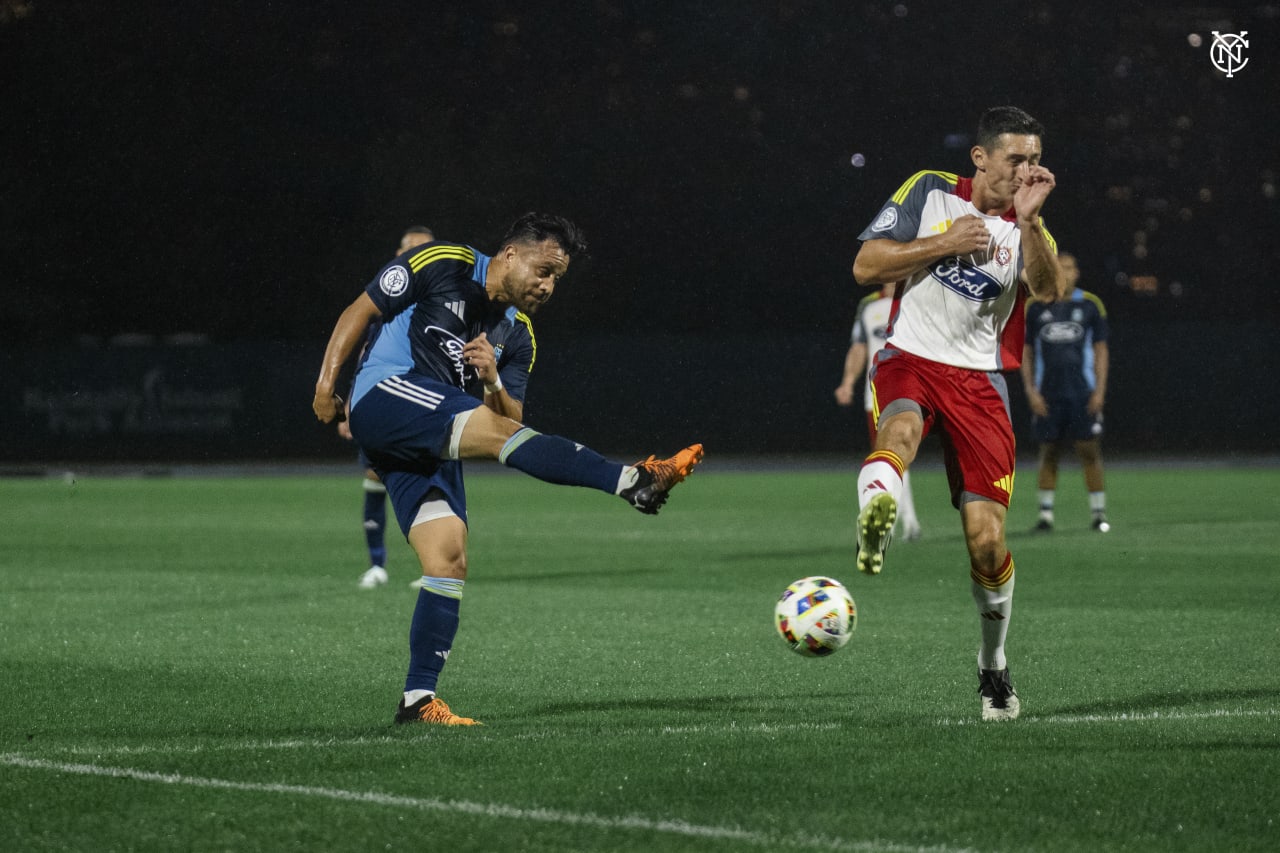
{"x":431,"y":510}
{"x":455,"y":434}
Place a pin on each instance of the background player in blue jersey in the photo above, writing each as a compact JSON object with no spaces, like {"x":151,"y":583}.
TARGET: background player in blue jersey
{"x":415,"y":421}
{"x":374,"y":518}
{"x":1065,"y":364}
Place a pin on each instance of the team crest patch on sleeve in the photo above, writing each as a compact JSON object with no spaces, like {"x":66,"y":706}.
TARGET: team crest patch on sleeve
{"x":394,"y":281}
{"x":886,"y":220}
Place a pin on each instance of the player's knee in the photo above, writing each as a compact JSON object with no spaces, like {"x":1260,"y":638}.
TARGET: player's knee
{"x":1090,"y":452}
{"x":986,"y":555}
{"x":900,"y":433}
{"x":454,"y":564}
{"x":445,"y":562}
{"x":986,"y":545}
{"x":481,"y":434}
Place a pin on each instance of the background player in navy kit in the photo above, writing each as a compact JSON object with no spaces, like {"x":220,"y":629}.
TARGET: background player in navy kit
{"x":1065,"y":365}
{"x":415,"y":421}
{"x":374,"y":513}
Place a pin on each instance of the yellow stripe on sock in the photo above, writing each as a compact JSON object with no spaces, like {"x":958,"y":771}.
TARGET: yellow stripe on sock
{"x":887,"y":456}
{"x":998,"y":581}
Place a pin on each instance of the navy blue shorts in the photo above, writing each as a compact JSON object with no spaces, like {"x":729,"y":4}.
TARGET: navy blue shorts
{"x":1068,"y":419}
{"x":403,"y":425}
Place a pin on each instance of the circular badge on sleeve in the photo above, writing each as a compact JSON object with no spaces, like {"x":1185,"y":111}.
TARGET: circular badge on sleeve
{"x":886,"y":220}
{"x":394,"y":280}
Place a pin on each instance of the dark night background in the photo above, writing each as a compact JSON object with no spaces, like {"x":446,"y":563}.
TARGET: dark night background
{"x":232,"y":174}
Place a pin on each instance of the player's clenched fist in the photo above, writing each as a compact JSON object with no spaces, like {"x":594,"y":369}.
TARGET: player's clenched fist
{"x":1031,"y":194}
{"x":968,"y":234}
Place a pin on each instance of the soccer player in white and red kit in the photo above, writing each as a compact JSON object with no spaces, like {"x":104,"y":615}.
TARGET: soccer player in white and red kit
{"x":968,"y":251}
{"x":870,"y":328}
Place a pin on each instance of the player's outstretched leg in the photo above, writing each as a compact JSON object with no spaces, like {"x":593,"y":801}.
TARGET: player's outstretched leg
{"x":553,"y":459}
{"x":875,"y":530}
{"x":430,"y":709}
{"x":879,"y":485}
{"x":654,"y":478}
{"x":999,"y":699}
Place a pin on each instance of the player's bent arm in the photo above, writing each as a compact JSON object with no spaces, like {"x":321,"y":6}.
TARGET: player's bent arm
{"x":885,"y":260}
{"x":881,"y":261}
{"x":502,"y":403}
{"x":1040,"y":268}
{"x":347,"y":333}
{"x":854,"y":361}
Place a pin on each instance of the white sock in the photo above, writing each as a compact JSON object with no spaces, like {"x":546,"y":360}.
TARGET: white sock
{"x":1098,"y":501}
{"x":879,"y":474}
{"x":412,"y":696}
{"x":995,"y":607}
{"x":626,"y":479}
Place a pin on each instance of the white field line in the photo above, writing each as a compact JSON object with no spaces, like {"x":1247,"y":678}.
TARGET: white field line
{"x":470,"y":734}
{"x":1123,"y":717}
{"x":484,"y":810}
{"x":101,"y":751}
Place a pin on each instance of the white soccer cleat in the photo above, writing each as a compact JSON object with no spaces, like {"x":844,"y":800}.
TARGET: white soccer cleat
{"x":374,"y":576}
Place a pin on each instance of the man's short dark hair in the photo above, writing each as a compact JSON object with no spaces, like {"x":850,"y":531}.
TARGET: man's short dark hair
{"x":536,"y":227}
{"x":999,"y":120}
{"x":420,"y":229}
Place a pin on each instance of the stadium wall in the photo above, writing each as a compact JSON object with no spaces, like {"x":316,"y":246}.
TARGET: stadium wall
{"x":739,"y":395}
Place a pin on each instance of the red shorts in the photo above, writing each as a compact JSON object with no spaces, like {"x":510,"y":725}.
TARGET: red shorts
{"x":969,"y":407}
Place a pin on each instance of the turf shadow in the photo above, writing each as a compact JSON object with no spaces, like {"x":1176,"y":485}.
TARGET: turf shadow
{"x":1171,"y":699}
{"x":706,"y":704}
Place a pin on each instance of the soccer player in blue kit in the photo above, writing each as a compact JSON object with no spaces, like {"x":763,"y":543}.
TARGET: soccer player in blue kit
{"x":1065,"y":366}
{"x":415,"y":421}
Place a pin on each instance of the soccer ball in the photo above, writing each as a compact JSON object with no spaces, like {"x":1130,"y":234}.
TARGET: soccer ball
{"x":816,"y":616}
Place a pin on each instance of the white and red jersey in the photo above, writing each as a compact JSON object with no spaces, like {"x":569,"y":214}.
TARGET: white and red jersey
{"x":965,"y":311}
{"x":872,"y":328}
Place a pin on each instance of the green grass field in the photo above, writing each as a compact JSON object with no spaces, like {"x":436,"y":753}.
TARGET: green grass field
{"x":186,"y":664}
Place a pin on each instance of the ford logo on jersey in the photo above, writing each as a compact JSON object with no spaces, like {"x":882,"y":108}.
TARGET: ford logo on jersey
{"x":1062,"y":333}
{"x":966,"y":279}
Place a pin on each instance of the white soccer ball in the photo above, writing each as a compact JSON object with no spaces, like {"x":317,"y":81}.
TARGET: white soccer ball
{"x":816,"y":616}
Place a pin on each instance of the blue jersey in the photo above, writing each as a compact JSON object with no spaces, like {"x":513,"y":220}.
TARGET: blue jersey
{"x":514,"y":346}
{"x":432,"y":300}
{"x":1062,"y":335}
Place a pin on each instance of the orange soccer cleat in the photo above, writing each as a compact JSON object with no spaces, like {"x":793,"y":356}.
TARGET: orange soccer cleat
{"x":656,"y":477}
